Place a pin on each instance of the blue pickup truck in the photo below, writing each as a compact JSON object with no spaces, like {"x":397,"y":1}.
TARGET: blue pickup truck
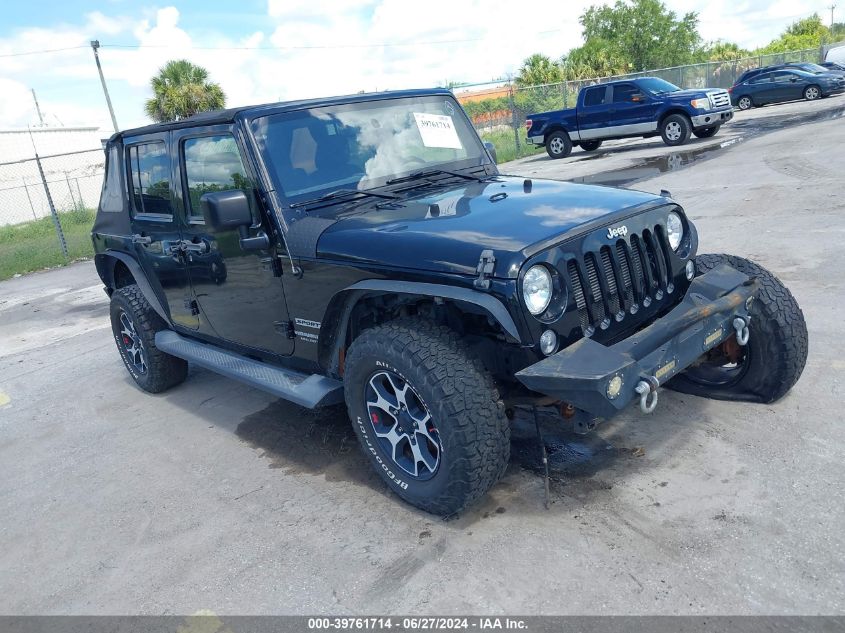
{"x":642,"y":107}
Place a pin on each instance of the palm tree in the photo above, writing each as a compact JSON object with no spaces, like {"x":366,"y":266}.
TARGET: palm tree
{"x":538,"y":70}
{"x":180,"y":90}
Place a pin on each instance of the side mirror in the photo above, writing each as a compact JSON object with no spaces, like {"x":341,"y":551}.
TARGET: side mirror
{"x":226,"y":209}
{"x":230,"y":210}
{"x":793,"y":79}
{"x":491,"y":149}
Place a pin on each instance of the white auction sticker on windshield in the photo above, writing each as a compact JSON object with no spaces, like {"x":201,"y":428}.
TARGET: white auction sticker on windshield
{"x":437,"y":130}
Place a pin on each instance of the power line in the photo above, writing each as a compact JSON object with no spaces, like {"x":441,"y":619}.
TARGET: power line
{"x":49,"y":50}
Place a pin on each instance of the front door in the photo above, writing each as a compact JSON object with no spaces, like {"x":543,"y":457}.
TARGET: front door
{"x":156,"y":226}
{"x":239,"y":292}
{"x":631,"y":111}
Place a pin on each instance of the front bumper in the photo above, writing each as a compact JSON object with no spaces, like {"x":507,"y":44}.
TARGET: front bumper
{"x":581,"y":374}
{"x":712,"y":118}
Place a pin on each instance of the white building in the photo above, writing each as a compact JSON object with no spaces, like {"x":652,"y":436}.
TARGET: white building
{"x":72,"y":160}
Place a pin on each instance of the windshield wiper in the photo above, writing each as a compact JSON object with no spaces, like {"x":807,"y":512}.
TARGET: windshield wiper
{"x":417,"y":175}
{"x":339,"y":195}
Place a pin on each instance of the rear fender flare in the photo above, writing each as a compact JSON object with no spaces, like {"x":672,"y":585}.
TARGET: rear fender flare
{"x":336,"y":320}
{"x":105,"y":267}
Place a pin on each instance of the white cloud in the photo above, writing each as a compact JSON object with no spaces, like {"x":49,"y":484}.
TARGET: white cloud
{"x":501,"y":35}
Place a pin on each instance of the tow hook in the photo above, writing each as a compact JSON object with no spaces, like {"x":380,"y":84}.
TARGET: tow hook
{"x":742,"y":333}
{"x":647,"y":388}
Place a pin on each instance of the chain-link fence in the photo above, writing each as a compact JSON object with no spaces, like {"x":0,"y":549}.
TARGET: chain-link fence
{"x":47,"y":207}
{"x":499,"y":111}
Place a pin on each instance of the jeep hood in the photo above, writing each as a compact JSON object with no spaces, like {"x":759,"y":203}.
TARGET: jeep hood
{"x":447,"y":231}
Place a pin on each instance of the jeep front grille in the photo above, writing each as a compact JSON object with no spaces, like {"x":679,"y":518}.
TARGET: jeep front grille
{"x":620,"y":278}
{"x":719,"y":99}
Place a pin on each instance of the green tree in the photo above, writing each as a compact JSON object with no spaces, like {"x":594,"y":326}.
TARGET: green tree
{"x":596,"y":58}
{"x":538,"y":69}
{"x":805,"y":33}
{"x":644,"y":33}
{"x":181,"y":89}
{"x":720,"y":51}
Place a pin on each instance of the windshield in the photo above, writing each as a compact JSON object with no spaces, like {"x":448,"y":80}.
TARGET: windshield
{"x":813,"y":68}
{"x":363,"y":145}
{"x":657,"y":86}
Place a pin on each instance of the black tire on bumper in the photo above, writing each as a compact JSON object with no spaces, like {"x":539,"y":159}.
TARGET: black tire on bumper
{"x":777,"y":349}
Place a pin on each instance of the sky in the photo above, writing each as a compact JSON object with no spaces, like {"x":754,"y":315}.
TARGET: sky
{"x":262,"y":51}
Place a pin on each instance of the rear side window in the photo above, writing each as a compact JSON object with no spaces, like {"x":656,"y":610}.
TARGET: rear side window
{"x":149,"y":181}
{"x":763,"y":78}
{"x":111,"y":199}
{"x":623,"y":92}
{"x":212,"y":163}
{"x":595,"y":96}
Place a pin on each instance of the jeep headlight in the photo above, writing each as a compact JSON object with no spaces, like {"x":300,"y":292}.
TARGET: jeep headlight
{"x":701,"y":104}
{"x":537,"y":289}
{"x":674,"y":230}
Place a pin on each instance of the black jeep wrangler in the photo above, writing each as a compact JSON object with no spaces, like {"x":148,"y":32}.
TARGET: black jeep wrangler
{"x":366,"y":250}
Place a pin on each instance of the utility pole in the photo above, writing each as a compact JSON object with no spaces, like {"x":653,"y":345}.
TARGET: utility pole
{"x":831,"y":7}
{"x":37,"y":107}
{"x":95,"y":44}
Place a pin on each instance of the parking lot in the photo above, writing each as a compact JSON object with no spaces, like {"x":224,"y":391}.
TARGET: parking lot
{"x":215,"y":496}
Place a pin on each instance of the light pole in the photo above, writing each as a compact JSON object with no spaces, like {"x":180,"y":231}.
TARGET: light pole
{"x":95,"y":44}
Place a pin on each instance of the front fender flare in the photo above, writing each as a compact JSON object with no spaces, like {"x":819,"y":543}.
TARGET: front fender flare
{"x":331,"y":341}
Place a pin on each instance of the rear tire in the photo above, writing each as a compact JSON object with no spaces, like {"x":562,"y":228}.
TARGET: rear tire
{"x":450,"y":442}
{"x":676,"y":130}
{"x":707,"y":132}
{"x":134,"y":325}
{"x":558,"y":144}
{"x":590,"y":146}
{"x":776,"y":352}
{"x":745,"y":103}
{"x":812,"y":93}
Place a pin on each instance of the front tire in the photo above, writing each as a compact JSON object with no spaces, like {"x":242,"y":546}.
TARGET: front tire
{"x":774,"y":358}
{"x":134,"y":325}
{"x":590,"y":146}
{"x":707,"y":132}
{"x":558,"y":144}
{"x":811,"y":93}
{"x":676,"y":130}
{"x":428,"y":416}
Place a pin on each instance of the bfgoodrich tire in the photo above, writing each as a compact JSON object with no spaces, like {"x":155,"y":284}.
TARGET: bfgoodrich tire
{"x":675,"y":129}
{"x":772,"y":361}
{"x":134,"y":325}
{"x":428,"y":416}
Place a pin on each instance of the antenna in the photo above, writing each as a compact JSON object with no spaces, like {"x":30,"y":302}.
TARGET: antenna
{"x":37,"y":107}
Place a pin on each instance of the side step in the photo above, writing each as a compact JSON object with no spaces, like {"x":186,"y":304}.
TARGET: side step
{"x":307,"y":391}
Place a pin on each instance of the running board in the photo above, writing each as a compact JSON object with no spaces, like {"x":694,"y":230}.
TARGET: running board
{"x":307,"y":391}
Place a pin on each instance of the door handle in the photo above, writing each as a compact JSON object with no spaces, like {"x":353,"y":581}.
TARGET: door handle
{"x":137,"y":238}
{"x":194,"y":247}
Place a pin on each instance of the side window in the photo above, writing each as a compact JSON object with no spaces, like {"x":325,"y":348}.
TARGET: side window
{"x":149,"y":182}
{"x":595,"y":96}
{"x":212,"y":163}
{"x":623,"y":93}
{"x":783,"y":77}
{"x":762,"y":78}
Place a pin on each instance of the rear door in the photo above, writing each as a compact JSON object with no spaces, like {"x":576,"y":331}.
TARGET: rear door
{"x":787,"y":85}
{"x":631,"y":110}
{"x":156,"y":225}
{"x":593,"y":112}
{"x":763,"y":89}
{"x":239,"y":292}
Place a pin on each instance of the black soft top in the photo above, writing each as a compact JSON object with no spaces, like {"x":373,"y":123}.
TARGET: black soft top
{"x":230,"y":114}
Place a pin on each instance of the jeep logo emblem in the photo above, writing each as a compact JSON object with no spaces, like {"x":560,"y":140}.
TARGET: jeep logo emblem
{"x":619,"y":231}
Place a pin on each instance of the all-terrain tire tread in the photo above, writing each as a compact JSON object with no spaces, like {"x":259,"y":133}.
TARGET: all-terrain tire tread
{"x":463,"y":392}
{"x":163,"y":370}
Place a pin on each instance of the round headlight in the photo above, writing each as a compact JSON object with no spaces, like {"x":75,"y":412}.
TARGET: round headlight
{"x":674,"y":230}
{"x":537,"y":289}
